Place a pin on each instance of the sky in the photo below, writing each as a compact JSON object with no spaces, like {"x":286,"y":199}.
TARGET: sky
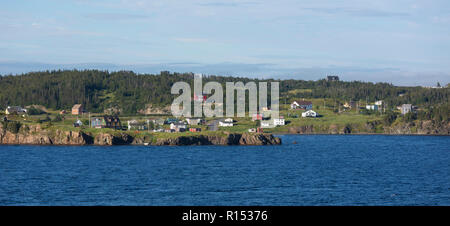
{"x":404,"y":42}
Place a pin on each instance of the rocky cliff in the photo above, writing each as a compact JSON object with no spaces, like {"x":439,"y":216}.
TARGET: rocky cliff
{"x":229,"y":139}
{"x":418,"y":128}
{"x":34,"y":134}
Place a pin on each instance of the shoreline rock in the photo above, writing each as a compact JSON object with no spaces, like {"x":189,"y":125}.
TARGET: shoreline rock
{"x":420,"y":128}
{"x":35,"y":135}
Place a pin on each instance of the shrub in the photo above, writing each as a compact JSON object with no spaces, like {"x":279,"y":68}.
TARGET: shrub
{"x":409,"y":117}
{"x":12,"y":126}
{"x":389,"y":118}
{"x":35,"y":111}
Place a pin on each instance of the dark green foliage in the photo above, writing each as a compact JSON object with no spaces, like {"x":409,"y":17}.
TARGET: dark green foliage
{"x":11,"y":126}
{"x":100,"y":90}
{"x":389,"y":118}
{"x":46,"y":119}
{"x":35,"y":111}
{"x":151,"y":125}
{"x":437,"y":113}
{"x":367,"y":112}
{"x":409,"y":117}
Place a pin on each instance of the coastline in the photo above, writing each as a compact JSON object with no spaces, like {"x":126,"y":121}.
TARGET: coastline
{"x":184,"y":140}
{"x":41,"y":134}
{"x":35,"y":135}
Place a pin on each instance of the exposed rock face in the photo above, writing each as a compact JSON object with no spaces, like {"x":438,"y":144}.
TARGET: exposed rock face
{"x":333,"y":129}
{"x":418,"y":128}
{"x":11,"y":138}
{"x":150,"y":109}
{"x":258,"y":139}
{"x":404,"y":128}
{"x":71,"y":138}
{"x":302,"y":129}
{"x":109,"y":139}
{"x":36,"y":135}
{"x":230,"y":139}
{"x":430,"y":127}
{"x":422,"y":127}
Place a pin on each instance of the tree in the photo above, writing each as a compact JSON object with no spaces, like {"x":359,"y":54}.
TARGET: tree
{"x":389,"y":118}
{"x":35,"y":111}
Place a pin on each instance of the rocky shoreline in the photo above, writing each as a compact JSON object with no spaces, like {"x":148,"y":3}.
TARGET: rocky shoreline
{"x":420,"y":128}
{"x":35,"y":135}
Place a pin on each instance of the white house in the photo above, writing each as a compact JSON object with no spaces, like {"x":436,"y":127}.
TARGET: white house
{"x":379,"y":102}
{"x":372,"y":107}
{"x":267,"y":124}
{"x":178,"y":126}
{"x":309,"y":113}
{"x":194,"y":121}
{"x":301,"y":104}
{"x":279,"y":121}
{"x":406,"y":108}
{"x":77,"y":123}
{"x":15,"y":110}
{"x":226,"y":123}
{"x":135,"y":125}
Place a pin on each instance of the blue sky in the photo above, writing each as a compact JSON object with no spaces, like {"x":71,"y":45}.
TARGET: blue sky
{"x":404,"y":42}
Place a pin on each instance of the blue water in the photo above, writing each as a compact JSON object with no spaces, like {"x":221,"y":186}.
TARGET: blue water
{"x":318,"y":170}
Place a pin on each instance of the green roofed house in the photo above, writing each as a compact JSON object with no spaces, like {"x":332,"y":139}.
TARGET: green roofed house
{"x":98,"y":123}
{"x":172,"y":120}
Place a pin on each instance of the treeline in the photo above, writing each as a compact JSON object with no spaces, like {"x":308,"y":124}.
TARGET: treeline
{"x":100,"y":90}
{"x":369,"y":92}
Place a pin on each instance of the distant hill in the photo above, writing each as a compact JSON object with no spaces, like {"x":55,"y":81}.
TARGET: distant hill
{"x":100,"y":90}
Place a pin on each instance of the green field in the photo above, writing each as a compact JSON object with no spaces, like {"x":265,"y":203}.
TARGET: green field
{"x":329,"y":111}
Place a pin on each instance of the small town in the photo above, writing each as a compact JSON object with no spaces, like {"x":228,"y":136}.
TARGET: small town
{"x":293,"y":114}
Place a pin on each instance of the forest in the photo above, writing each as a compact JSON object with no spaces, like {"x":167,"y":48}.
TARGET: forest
{"x":100,"y":90}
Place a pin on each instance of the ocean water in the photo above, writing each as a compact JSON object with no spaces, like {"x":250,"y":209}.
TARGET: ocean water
{"x":316,"y":170}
